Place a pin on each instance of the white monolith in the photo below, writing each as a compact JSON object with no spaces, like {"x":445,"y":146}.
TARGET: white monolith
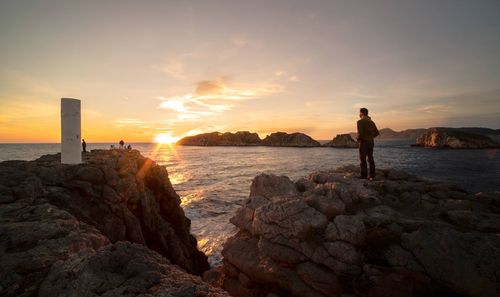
{"x":70,"y":131}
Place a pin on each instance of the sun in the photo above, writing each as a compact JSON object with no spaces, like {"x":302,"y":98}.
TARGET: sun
{"x":163,"y":138}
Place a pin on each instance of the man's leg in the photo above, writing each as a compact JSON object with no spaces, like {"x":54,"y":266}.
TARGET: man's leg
{"x":371,"y":160}
{"x":362,"y":158}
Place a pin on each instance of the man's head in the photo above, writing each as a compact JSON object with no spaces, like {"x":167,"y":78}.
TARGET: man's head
{"x":363,"y":112}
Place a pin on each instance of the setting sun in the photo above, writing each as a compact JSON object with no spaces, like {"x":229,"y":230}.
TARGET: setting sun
{"x":164,"y":138}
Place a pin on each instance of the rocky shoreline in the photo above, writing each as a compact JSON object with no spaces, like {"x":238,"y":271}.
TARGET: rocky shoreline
{"x":335,"y":235}
{"x":110,"y":226}
{"x":114,"y":226}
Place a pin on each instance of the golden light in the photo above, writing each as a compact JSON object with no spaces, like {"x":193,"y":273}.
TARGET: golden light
{"x":163,"y":138}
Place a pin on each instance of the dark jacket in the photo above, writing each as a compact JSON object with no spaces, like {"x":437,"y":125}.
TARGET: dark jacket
{"x":367,"y":130}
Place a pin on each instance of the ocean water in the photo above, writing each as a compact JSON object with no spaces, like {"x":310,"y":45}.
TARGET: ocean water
{"x":213,"y":181}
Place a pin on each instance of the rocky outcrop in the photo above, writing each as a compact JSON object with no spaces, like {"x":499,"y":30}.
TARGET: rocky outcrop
{"x":455,"y":139}
{"x":342,"y":141}
{"x":244,"y":138}
{"x":286,"y":139}
{"x":57,"y":224}
{"x":335,"y":235}
{"x":240,"y":138}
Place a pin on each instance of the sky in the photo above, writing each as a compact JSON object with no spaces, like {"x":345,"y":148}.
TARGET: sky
{"x":177,"y":68}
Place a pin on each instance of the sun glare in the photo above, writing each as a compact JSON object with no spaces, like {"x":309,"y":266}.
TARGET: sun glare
{"x":164,"y":138}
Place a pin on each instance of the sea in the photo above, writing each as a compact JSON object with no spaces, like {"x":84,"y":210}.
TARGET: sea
{"x":213,"y":181}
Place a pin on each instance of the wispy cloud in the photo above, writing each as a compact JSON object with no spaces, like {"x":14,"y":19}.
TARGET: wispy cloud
{"x":215,"y":96}
{"x":434,"y":108}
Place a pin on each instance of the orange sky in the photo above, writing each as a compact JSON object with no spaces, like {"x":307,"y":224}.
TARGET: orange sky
{"x":179,"y":68}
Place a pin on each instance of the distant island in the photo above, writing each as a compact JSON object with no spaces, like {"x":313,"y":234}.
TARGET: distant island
{"x":245,"y":138}
{"x":436,"y":137}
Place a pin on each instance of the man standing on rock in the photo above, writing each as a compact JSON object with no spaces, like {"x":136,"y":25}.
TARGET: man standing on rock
{"x":367,"y":131}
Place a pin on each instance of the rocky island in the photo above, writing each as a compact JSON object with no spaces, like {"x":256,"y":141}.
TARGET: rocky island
{"x":335,"y":235}
{"x":342,"y":141}
{"x":111,"y":226}
{"x":245,"y":138}
{"x":455,"y":139}
{"x":240,"y":138}
{"x":286,"y":139}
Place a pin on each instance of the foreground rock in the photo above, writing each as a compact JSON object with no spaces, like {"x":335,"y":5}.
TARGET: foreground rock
{"x":455,"y":139}
{"x":342,"y":141}
{"x":240,"y":138}
{"x":56,"y":219}
{"x":335,"y":235}
{"x":286,"y":139}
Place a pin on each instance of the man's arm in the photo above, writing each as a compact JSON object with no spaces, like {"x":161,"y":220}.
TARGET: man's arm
{"x":360,"y":131}
{"x":375,"y":130}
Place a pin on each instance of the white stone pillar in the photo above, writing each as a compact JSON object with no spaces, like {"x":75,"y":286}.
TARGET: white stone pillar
{"x":71,"y":152}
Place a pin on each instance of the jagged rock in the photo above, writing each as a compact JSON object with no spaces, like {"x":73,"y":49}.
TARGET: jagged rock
{"x":342,"y":141}
{"x":398,"y":235}
{"x":63,"y":215}
{"x":286,"y":139}
{"x":455,"y":139}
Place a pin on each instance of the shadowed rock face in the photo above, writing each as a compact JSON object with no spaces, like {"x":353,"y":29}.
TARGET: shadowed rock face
{"x":454,"y":138}
{"x":342,"y":141}
{"x":51,"y":213}
{"x":333,"y":234}
{"x":286,"y":139}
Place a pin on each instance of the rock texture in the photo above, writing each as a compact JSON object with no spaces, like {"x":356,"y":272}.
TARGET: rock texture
{"x":342,"y":141}
{"x":240,"y":138}
{"x":455,"y":139}
{"x":335,"y":235}
{"x":286,"y":139}
{"x":56,"y":219}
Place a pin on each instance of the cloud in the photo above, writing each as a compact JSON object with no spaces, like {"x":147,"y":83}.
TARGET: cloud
{"x":434,"y":108}
{"x":214,"y":96}
{"x":173,"y":68}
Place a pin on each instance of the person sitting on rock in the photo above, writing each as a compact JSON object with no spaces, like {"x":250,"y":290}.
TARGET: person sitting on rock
{"x":367,"y":131}
{"x":122,"y":144}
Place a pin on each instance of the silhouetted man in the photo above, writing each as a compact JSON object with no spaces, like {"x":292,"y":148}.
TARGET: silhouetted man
{"x":84,"y":145}
{"x":367,"y":131}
